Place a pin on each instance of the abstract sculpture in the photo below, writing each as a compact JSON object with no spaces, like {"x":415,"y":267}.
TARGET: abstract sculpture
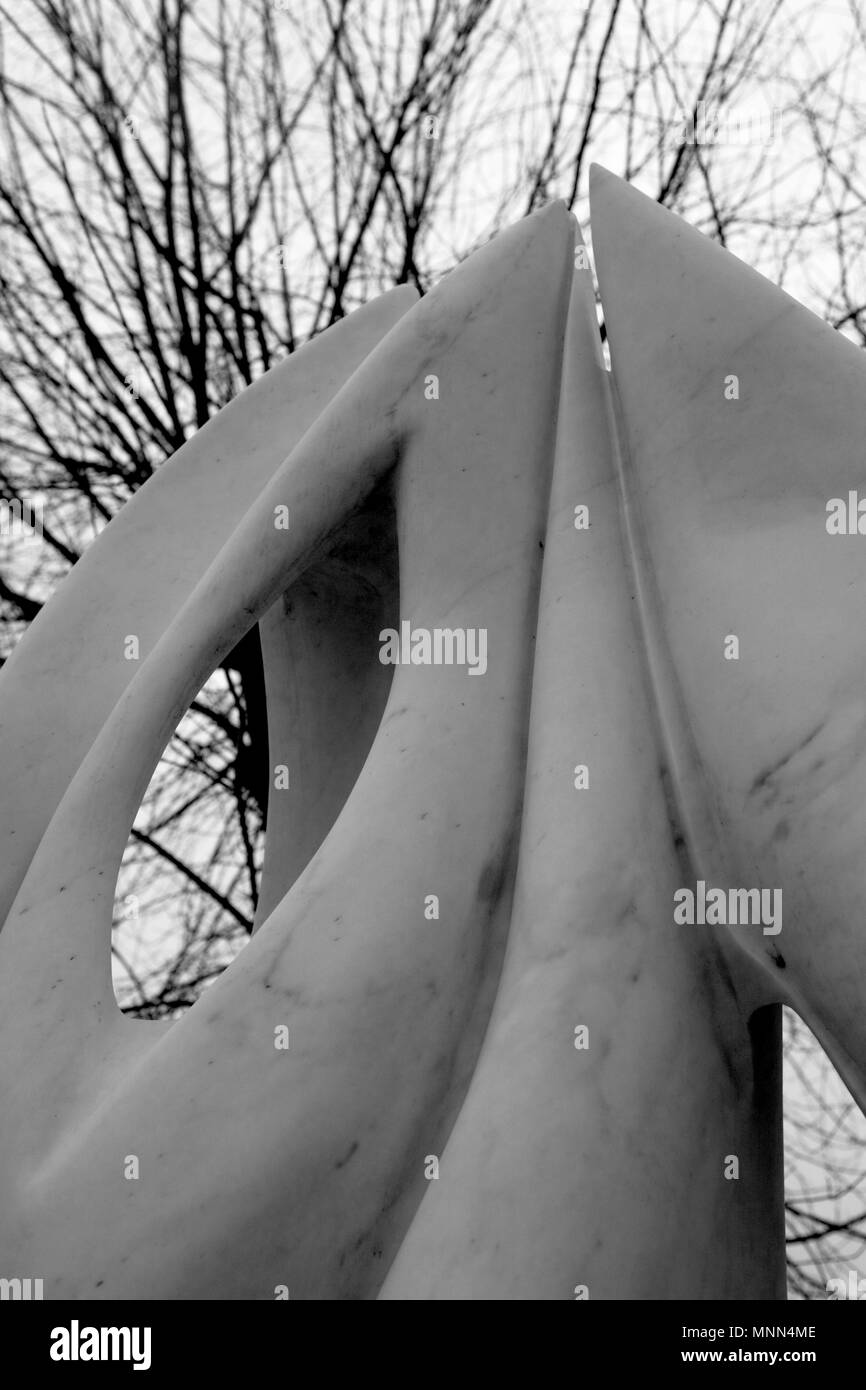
{"x":499,"y":1033}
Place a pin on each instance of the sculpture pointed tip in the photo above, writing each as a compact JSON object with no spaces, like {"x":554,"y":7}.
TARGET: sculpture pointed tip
{"x":599,"y":177}
{"x":557,"y":207}
{"x":608,"y":193}
{"x":552,"y":223}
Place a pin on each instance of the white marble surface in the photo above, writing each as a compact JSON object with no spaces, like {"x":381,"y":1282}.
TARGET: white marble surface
{"x":560,"y":1168}
{"x":326,"y":688}
{"x":730,"y":501}
{"x":602,"y":1168}
{"x":302,"y":1167}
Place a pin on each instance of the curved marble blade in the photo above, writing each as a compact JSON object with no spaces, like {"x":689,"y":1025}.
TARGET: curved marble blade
{"x":326,"y":687}
{"x":620,"y":1070}
{"x":69,"y":670}
{"x":306,"y":1162}
{"x":742,"y":416}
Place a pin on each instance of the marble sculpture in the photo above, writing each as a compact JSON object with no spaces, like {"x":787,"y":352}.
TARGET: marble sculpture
{"x":567,"y":665}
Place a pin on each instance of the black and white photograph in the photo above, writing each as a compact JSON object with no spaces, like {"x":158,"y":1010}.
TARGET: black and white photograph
{"x":432,"y":668}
